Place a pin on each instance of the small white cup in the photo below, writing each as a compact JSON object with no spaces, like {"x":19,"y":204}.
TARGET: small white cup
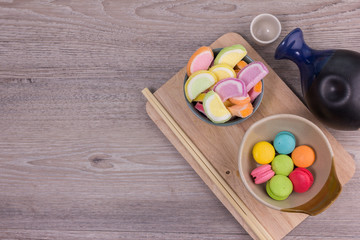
{"x":265,"y":28}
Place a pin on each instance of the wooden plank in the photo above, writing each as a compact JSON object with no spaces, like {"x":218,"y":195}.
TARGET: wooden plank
{"x":220,"y":144}
{"x":110,"y":235}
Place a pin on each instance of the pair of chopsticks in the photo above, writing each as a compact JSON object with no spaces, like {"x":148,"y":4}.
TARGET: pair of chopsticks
{"x":221,"y":184}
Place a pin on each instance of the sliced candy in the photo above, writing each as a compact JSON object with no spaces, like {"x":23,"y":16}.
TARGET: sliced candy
{"x":255,"y":91}
{"x":197,"y":83}
{"x":241,"y":110}
{"x":215,"y":109}
{"x":200,"y":97}
{"x":200,"y":108}
{"x":241,"y":64}
{"x":252,"y":74}
{"x":231,"y":55}
{"x":240,"y":100}
{"x":230,"y":87}
{"x":223,"y":71}
{"x":200,"y":60}
{"x":227,"y":103}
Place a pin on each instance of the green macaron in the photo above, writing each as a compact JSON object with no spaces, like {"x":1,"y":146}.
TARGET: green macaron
{"x":279,"y":187}
{"x":282,"y":165}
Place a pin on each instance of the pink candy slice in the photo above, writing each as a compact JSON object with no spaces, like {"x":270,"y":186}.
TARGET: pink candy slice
{"x":200,"y":107}
{"x":202,"y":62}
{"x":253,"y":94}
{"x":229,"y":88}
{"x":252,"y":73}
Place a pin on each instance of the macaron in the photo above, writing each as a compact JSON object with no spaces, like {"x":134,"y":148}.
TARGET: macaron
{"x":279,"y":187}
{"x":284,"y":142}
{"x":303,"y":156}
{"x":302,"y":179}
{"x":262,"y":174}
{"x":282,"y":165}
{"x":263,"y":152}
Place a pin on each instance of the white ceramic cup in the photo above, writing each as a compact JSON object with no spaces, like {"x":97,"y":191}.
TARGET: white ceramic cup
{"x":265,"y":28}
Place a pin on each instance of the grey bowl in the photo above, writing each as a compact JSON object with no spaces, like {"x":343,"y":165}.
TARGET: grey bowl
{"x":234,"y":120}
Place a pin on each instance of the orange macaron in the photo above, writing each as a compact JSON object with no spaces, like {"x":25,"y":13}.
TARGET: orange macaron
{"x":303,"y":156}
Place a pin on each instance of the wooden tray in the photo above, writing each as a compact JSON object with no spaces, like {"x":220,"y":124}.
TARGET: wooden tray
{"x":220,"y":144}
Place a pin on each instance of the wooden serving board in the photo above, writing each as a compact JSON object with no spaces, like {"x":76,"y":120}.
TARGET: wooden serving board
{"x":220,"y":144}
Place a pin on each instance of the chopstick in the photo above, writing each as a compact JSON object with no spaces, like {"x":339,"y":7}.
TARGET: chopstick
{"x":217,"y":179}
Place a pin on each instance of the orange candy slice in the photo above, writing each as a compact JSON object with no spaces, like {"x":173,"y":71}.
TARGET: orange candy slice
{"x":241,"y":64}
{"x":241,"y":110}
{"x":240,"y":100}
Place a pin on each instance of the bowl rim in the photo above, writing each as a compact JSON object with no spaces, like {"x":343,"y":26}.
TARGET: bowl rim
{"x":231,"y":122}
{"x":271,"y":117}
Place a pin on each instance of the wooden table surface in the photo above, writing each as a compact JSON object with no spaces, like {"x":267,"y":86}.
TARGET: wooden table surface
{"x":80,"y":158}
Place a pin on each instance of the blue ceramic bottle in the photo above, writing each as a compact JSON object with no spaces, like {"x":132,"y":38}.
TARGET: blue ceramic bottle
{"x":330,"y":80}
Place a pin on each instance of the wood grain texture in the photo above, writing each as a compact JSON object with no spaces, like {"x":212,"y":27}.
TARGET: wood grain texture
{"x":80,"y":158}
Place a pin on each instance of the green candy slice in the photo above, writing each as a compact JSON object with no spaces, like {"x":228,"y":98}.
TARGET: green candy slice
{"x":198,"y":82}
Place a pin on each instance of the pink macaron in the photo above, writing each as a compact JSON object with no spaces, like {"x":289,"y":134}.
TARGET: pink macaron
{"x":302,"y":179}
{"x":262,"y":174}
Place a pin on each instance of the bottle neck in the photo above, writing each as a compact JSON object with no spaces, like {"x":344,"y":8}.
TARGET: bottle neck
{"x":308,"y":60}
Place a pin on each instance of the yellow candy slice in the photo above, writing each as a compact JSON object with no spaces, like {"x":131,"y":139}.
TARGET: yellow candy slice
{"x":200,"y":97}
{"x":231,"y":55}
{"x":215,"y":109}
{"x":223,"y":71}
